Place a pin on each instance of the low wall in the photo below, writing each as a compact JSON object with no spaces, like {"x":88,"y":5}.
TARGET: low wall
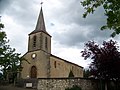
{"x":63,"y":83}
{"x":27,"y":83}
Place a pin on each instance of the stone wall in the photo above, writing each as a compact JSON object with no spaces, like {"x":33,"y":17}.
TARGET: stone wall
{"x":27,"y":83}
{"x":63,"y":83}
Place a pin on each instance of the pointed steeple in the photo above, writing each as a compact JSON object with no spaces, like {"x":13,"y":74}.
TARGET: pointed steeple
{"x":40,"y":23}
{"x":40,"y":26}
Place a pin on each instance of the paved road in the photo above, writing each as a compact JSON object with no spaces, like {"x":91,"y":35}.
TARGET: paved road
{"x":11,"y":87}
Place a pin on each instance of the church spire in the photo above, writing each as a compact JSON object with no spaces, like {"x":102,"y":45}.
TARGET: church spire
{"x":40,"y":23}
{"x":40,"y":26}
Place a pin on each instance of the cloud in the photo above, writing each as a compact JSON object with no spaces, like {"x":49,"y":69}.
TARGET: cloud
{"x":73,"y":30}
{"x":4,"y":4}
{"x":64,"y":22}
{"x":22,"y":12}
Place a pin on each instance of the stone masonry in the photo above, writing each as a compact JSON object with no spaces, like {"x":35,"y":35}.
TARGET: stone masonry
{"x":63,"y":83}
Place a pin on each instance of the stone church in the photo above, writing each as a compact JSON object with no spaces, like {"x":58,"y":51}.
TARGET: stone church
{"x":40,"y":62}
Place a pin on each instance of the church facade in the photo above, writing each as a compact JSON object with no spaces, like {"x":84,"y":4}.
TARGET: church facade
{"x":40,"y":62}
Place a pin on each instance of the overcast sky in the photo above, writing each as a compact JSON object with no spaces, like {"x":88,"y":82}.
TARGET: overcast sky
{"x":64,"y":22}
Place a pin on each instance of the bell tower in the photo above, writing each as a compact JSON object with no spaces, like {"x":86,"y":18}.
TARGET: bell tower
{"x":39,"y":39}
{"x":39,"y":51}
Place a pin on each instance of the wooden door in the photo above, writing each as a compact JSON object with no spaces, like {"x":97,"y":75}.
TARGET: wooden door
{"x":33,"y":72}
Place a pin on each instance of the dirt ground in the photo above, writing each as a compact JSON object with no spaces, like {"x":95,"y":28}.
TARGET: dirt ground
{"x":11,"y":87}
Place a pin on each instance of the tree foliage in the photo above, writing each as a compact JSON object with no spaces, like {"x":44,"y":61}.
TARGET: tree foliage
{"x":9,"y":60}
{"x":86,"y":73}
{"x":112,"y":11}
{"x":71,"y":74}
{"x":1,"y":25}
{"x":106,"y":59}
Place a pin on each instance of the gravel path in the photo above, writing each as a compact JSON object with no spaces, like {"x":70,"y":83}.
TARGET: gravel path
{"x":11,"y":87}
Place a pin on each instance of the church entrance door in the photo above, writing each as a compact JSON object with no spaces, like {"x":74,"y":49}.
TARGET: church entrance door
{"x":33,"y":72}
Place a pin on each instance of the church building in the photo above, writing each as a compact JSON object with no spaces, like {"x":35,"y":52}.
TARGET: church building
{"x":40,"y":62}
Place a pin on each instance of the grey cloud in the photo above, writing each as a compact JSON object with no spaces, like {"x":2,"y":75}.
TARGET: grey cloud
{"x":82,"y":30}
{"x":4,"y":4}
{"x":22,"y":12}
{"x":78,"y":35}
{"x":74,"y":13}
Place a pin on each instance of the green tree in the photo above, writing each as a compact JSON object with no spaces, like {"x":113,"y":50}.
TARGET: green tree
{"x":86,"y":73}
{"x":71,"y":74}
{"x":9,"y":60}
{"x":112,"y":12}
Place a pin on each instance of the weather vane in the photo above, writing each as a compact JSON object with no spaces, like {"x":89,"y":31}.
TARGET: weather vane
{"x":41,"y":3}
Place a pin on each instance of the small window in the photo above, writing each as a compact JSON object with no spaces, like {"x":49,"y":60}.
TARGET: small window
{"x":46,"y":42}
{"x":34,"y":41}
{"x":55,"y":64}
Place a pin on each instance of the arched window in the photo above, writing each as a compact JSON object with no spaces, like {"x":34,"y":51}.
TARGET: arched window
{"x":33,"y":72}
{"x":34,"y":41}
{"x":46,"y":42}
